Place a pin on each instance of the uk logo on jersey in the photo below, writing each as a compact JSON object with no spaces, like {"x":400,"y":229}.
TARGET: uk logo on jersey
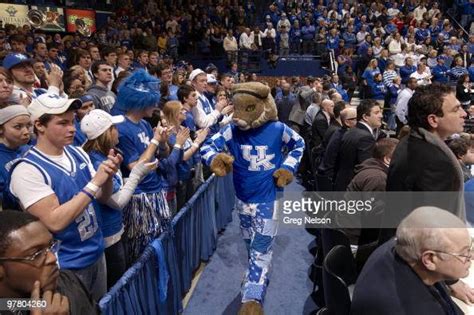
{"x":261,"y":159}
{"x":144,"y":139}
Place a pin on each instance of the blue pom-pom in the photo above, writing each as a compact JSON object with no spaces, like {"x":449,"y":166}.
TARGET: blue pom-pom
{"x":139,"y":91}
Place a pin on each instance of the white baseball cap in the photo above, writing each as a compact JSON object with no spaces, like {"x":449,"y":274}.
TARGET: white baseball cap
{"x":195,"y":73}
{"x":52,"y":104}
{"x":97,"y":121}
{"x":211,"y":79}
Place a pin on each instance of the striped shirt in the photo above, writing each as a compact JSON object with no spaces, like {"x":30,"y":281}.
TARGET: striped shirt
{"x":388,"y":77}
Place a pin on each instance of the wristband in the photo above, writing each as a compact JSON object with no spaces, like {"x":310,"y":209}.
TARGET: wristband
{"x":177,"y":146}
{"x":92,"y":187}
{"x":155,"y":142}
{"x":88,"y":194}
{"x":195,"y":145}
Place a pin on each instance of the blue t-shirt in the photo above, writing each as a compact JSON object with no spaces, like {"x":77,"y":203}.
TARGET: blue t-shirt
{"x":7,"y":158}
{"x":79,"y":137}
{"x":184,"y":167}
{"x":173,"y":93}
{"x":469,"y":199}
{"x":189,"y":122}
{"x":134,"y":139}
{"x":258,"y":154}
{"x":369,"y":75}
{"x":110,"y":218}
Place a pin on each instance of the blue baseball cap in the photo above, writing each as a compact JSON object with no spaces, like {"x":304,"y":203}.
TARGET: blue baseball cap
{"x":14,"y":59}
{"x":87,"y":98}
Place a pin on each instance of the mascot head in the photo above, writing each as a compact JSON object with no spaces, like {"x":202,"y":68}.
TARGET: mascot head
{"x":253,"y":105}
{"x":138,"y":91}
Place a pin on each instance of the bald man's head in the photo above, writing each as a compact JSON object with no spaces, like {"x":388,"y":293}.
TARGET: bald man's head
{"x":336,"y":97}
{"x":349,"y":116}
{"x":327,"y":105}
{"x":429,"y":228}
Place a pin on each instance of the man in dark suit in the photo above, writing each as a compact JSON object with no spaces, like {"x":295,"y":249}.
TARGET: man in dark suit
{"x":336,"y":123}
{"x":285,"y":103}
{"x":325,"y":173}
{"x":358,"y":143}
{"x":321,"y":121}
{"x":422,"y":161}
{"x":408,"y":275}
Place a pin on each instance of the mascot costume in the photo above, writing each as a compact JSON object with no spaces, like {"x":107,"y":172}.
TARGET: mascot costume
{"x":255,"y":144}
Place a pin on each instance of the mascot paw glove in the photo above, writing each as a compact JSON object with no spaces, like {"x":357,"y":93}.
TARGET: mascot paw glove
{"x":221,"y":165}
{"x":282,"y":177}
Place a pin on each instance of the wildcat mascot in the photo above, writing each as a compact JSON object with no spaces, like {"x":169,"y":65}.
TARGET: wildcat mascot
{"x":263,"y":154}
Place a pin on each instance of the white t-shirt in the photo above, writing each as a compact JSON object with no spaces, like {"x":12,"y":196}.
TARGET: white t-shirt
{"x":27,"y":182}
{"x":421,"y":78}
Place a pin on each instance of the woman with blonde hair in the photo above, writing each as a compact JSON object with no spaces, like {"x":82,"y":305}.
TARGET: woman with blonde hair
{"x":178,"y":78}
{"x":102,"y":136}
{"x":369,"y":74}
{"x":175,"y":115}
{"x":79,"y":72}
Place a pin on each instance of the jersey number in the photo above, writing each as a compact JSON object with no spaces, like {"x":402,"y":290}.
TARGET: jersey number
{"x":87,"y":223}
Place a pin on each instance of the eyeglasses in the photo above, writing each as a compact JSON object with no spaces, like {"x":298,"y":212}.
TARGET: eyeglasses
{"x":462,"y":258}
{"x":39,"y":257}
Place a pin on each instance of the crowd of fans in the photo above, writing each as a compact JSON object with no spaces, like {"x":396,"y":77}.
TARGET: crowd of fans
{"x":144,"y":112}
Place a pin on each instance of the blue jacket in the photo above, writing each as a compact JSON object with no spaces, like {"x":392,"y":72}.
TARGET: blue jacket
{"x":350,"y":39}
{"x":341,"y":91}
{"x":378,"y":90}
{"x":332,"y":42}
{"x":440,"y":73}
{"x":471,"y":73}
{"x":308,"y":32}
{"x":405,"y":72}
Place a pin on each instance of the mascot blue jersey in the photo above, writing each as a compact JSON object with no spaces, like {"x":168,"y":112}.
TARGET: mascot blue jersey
{"x":258,"y":154}
{"x":81,"y":241}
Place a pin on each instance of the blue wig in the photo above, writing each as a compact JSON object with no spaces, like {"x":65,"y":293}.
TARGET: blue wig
{"x":138,"y":91}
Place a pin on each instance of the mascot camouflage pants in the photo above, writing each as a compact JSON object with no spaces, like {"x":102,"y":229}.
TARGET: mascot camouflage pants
{"x":259,"y":229}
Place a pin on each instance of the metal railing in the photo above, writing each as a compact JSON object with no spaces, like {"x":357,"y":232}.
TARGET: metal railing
{"x":453,"y":19}
{"x":332,"y":61}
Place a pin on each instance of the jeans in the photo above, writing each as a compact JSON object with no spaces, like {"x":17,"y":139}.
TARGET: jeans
{"x":184,"y":192}
{"x":94,"y":278}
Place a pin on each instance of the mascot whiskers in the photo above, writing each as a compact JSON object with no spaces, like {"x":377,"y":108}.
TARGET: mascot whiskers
{"x":263,"y":155}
